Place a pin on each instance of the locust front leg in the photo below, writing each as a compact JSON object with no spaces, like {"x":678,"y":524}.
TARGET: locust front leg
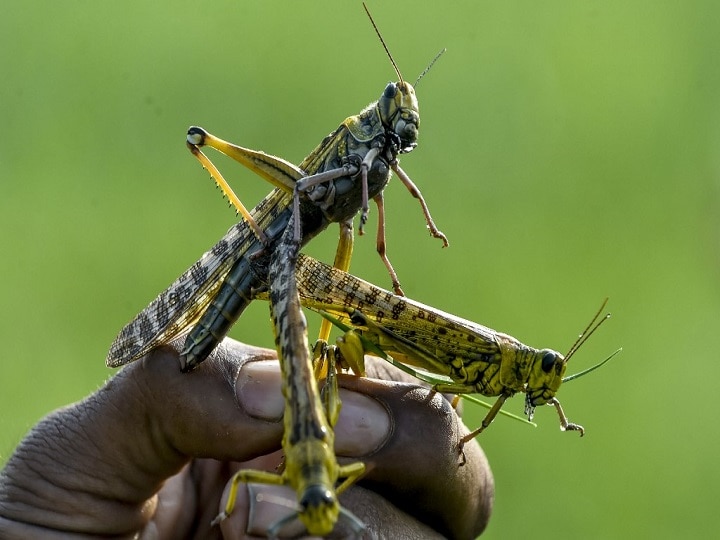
{"x":415,"y":192}
{"x":332,"y":404}
{"x":565,"y":425}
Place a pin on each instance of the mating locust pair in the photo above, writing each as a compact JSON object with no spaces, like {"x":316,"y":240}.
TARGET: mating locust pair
{"x":259,"y":257}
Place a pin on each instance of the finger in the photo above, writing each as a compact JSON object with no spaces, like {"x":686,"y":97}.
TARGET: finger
{"x":260,"y":506}
{"x":198,"y":414}
{"x":231,"y":407}
{"x":419,"y":467}
{"x":402,"y":431}
{"x":95,"y":466}
{"x":408,"y":437}
{"x":377,"y":368}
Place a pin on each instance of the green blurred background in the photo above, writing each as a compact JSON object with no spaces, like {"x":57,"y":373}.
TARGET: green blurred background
{"x":569,"y":150}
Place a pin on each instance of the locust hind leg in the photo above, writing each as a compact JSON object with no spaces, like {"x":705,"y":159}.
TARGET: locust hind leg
{"x":194,"y":141}
{"x":277,"y":171}
{"x":415,"y":192}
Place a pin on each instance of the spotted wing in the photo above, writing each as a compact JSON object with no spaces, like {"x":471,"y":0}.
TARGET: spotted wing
{"x":177,"y":308}
{"x":440,"y":334}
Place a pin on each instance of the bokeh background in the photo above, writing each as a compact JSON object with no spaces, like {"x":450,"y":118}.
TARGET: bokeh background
{"x":569,"y":150}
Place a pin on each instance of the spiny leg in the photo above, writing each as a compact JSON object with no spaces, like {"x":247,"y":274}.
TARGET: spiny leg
{"x":330,"y":393}
{"x":227,"y":191}
{"x":353,"y":471}
{"x":277,"y":171}
{"x":348,"y":353}
{"x":319,"y":359}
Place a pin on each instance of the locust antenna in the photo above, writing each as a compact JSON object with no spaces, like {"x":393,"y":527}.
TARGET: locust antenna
{"x":438,"y":55}
{"x":392,"y":61}
{"x":589,"y":331}
{"x":279,"y":501}
{"x":593,"y":368}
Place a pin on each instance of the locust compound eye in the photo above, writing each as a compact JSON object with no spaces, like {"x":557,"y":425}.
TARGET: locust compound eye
{"x":316,"y":497}
{"x":390,"y":90}
{"x":548,"y":361}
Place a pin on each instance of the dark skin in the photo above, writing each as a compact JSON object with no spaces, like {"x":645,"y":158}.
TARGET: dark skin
{"x":150,"y":453}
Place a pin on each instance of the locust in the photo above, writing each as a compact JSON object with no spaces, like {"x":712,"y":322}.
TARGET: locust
{"x":473,"y":357}
{"x":331,"y":185}
{"x":311,"y":468}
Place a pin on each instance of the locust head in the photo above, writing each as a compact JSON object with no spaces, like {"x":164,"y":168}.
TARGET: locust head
{"x":398,"y":107}
{"x":319,"y":510}
{"x":306,"y":467}
{"x":548,"y":366}
{"x":546,"y":376}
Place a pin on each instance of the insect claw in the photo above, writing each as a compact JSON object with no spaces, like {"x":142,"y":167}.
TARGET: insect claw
{"x":219,"y":518}
{"x":187,"y":364}
{"x":439,"y":234}
{"x":363,"y":221}
{"x":565,"y":425}
{"x":574,"y":427}
{"x":461,"y":451}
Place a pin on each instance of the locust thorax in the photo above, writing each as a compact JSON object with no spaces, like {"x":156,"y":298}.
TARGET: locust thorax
{"x":398,"y":108}
{"x":545,"y":376}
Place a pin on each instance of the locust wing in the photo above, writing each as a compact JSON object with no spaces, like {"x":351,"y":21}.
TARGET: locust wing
{"x":176,"y":309}
{"x":439,"y":334}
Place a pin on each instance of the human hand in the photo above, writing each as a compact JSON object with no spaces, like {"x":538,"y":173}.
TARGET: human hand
{"x":150,"y":452}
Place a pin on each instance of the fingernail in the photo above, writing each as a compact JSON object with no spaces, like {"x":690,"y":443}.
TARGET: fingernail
{"x":364,"y":424}
{"x":363,"y":427}
{"x":258,"y":390}
{"x":269,"y":505}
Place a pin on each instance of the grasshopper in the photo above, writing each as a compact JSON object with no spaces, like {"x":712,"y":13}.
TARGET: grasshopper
{"x":311,"y":468}
{"x":476,"y":359}
{"x":331,"y":185}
